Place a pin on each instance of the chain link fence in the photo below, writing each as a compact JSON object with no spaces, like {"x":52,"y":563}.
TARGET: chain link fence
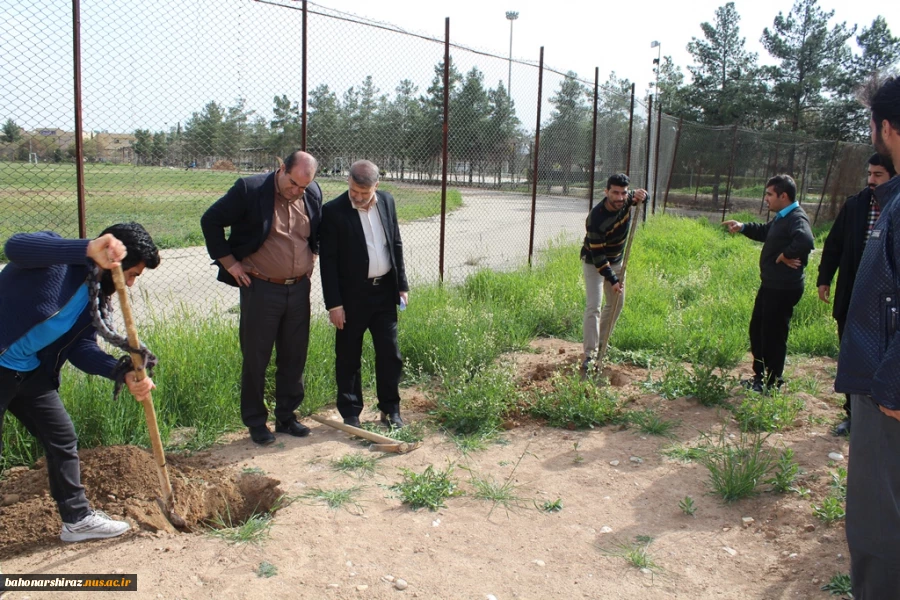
{"x":178,"y":100}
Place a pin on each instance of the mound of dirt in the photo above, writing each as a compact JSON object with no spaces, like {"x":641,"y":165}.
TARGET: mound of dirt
{"x":123,"y":482}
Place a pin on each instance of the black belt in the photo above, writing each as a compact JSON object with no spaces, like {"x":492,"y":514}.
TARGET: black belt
{"x":289,"y":281}
{"x":378,"y":280}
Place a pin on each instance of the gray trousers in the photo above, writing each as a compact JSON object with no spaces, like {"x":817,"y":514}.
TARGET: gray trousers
{"x":44,"y":416}
{"x":598,"y":324}
{"x":273,"y":315}
{"x":873,"y":502}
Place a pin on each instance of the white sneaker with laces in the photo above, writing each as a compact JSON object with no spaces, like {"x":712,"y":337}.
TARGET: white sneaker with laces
{"x":96,"y":525}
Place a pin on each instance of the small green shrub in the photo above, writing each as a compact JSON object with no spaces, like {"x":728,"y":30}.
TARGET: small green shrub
{"x":428,"y":489}
{"x":687,"y":506}
{"x":649,"y":422}
{"x":777,"y":412}
{"x":737,"y":469}
{"x":477,"y":404}
{"x":831,"y":510}
{"x":574,"y":403}
{"x":786,"y":472}
{"x":839,"y":585}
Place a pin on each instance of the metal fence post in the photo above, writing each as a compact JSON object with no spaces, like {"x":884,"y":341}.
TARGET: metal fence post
{"x":445,"y":128}
{"x":304,"y":53}
{"x":593,"y":161}
{"x":656,"y":157}
{"x":730,"y":172}
{"x":672,"y":168}
{"x":630,"y":133}
{"x":827,"y":177}
{"x":79,"y":141}
{"x":649,"y":144}
{"x":537,"y":147}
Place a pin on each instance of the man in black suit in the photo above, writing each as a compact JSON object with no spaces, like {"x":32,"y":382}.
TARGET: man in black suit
{"x":363,"y":281}
{"x":844,"y":247}
{"x":270,"y":255}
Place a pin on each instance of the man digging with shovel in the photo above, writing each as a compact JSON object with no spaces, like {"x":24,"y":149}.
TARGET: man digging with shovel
{"x":606,"y":234}
{"x":46,"y":318}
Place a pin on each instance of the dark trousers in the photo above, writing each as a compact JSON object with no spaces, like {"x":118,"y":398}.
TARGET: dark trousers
{"x":840,"y":324}
{"x":873,"y":502}
{"x":377,"y":312}
{"x":45,"y":417}
{"x":273,"y":315}
{"x":769,"y":327}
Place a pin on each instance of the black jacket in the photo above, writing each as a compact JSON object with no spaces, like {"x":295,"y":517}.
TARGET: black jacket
{"x":344,"y":260}
{"x":870,"y":349}
{"x":844,"y":249}
{"x":790,"y":236}
{"x":248,"y":208}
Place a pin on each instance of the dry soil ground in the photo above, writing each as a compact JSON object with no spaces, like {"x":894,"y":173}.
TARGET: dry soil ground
{"x":471,"y":549}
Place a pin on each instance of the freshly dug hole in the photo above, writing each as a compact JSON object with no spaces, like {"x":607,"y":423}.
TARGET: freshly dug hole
{"x":122,"y":481}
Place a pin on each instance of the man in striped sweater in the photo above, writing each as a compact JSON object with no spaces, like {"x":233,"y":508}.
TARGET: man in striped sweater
{"x":606,"y":232}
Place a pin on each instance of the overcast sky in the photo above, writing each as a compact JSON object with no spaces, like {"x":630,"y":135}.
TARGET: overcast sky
{"x":614,"y":36}
{"x":151,"y":64}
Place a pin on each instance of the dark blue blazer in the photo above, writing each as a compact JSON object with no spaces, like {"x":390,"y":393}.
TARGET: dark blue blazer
{"x":249,"y":208}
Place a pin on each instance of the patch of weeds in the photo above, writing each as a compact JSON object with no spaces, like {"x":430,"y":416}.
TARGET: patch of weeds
{"x":473,"y":442}
{"x":684,"y":453}
{"x":832,"y":507}
{"x":801,"y":491}
{"x":637,"y":553}
{"x":336,"y":498}
{"x":428,"y":489}
{"x":500,"y":494}
{"x":552,"y":506}
{"x":577,"y":458}
{"x":687,"y":506}
{"x":786,"y":472}
{"x":839,"y":585}
{"x":478,"y":402}
{"x":839,"y":483}
{"x":412,"y":433}
{"x":266,"y":569}
{"x":358,"y":464}
{"x":809,"y":384}
{"x":674,"y":383}
{"x":638,"y":358}
{"x":708,"y":385}
{"x":252,"y":531}
{"x":830,"y":511}
{"x":252,"y":471}
{"x":649,"y":422}
{"x":737,"y":469}
{"x":574,"y":403}
{"x":768,"y":413}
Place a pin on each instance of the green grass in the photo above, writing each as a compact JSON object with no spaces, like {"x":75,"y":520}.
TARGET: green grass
{"x":736,"y":470}
{"x":360,"y":465}
{"x":651,"y":423}
{"x":687,"y":506}
{"x":684,"y":453}
{"x":775,"y":412}
{"x":552,"y":506}
{"x":785,"y":472}
{"x":636,"y":553}
{"x":336,"y":498}
{"x":254,"y":530}
{"x":839,"y":585}
{"x":574,"y":403}
{"x":167,"y":202}
{"x":476,"y":404}
{"x":266,"y":570}
{"x":427,"y":489}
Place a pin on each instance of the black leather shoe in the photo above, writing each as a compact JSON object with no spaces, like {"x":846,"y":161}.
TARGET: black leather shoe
{"x":352,"y":421}
{"x":392,"y":420}
{"x":843,"y":428}
{"x":261,"y":435}
{"x":294,"y":428}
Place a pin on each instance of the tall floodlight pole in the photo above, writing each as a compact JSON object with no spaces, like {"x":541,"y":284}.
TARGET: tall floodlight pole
{"x":512,"y":15}
{"x":656,"y":61}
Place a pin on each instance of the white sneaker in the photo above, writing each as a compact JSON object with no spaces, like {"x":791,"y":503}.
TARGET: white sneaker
{"x":96,"y":525}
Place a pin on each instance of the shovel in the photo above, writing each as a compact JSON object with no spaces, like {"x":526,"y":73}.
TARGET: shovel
{"x":168,"y":498}
{"x":382,"y":442}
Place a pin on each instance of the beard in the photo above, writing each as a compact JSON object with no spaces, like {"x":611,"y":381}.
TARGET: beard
{"x":881,"y":148}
